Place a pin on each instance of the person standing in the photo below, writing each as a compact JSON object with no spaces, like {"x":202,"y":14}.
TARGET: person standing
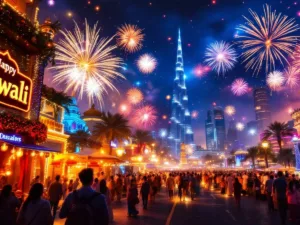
{"x":35,"y":210}
{"x":257,"y":186}
{"x":245,"y":181}
{"x":237,"y":190}
{"x":119,"y":187}
{"x":279,"y":189}
{"x":8,"y":205}
{"x":85,"y":206}
{"x":76,"y":184}
{"x":229,"y":182}
{"x":70,"y":186}
{"x":269,"y":186}
{"x":111,"y":184}
{"x":170,"y":183}
{"x":292,"y":201}
{"x":65,"y":188}
{"x":192,"y":186}
{"x":105,"y":191}
{"x":55,"y":193}
{"x":132,"y":199}
{"x":145,"y":190}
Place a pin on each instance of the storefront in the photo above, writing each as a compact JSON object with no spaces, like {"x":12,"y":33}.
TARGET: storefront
{"x":25,"y":50}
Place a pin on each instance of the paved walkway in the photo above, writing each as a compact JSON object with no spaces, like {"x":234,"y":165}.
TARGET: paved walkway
{"x":156,"y":214}
{"x":211,"y":208}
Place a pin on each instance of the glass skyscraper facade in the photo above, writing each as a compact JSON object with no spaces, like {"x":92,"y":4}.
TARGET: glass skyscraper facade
{"x":262,"y":108}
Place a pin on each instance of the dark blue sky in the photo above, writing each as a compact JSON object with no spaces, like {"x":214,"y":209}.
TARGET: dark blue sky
{"x":201,"y":23}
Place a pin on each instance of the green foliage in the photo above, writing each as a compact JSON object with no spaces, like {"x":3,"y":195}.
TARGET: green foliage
{"x":286,"y":157}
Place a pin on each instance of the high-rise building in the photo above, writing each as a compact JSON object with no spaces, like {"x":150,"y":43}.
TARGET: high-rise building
{"x":232,"y":134}
{"x":180,"y":129}
{"x":262,"y":108}
{"x":215,"y":129}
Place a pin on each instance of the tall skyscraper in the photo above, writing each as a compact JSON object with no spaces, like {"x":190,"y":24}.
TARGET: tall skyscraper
{"x":215,"y":129}
{"x":180,"y":129}
{"x":262,"y":108}
{"x":232,"y":134}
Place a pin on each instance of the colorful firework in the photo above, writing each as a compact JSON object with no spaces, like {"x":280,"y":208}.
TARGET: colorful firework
{"x":275,"y":80}
{"x":134,"y":96}
{"x":240,"y":126}
{"x":201,"y":70}
{"x":230,"y":110}
{"x":145,"y":116}
{"x":194,"y":114}
{"x":168,"y":97}
{"x":85,"y":63}
{"x":221,"y":57}
{"x":146,"y":63}
{"x":266,"y":39}
{"x":163,"y":133}
{"x":130,"y":38}
{"x":292,"y":76}
{"x":239,"y":87}
{"x":124,"y":109}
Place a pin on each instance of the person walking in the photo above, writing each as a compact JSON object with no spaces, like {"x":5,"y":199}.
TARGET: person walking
{"x":119,"y":188}
{"x":269,"y":187}
{"x":111,"y":185}
{"x":145,"y":190}
{"x":105,"y":191}
{"x":85,"y":206}
{"x":229,"y":182}
{"x":70,"y":186}
{"x":279,"y":190}
{"x":55,"y":193}
{"x":35,"y":210}
{"x":8,"y":205}
{"x":65,"y":188}
{"x":192,"y":186}
{"x":237,"y":190}
{"x":257,"y":186}
{"x":132,"y":199}
{"x":170,"y":183}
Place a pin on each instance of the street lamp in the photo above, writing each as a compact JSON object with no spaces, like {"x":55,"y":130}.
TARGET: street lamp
{"x":265,"y":145}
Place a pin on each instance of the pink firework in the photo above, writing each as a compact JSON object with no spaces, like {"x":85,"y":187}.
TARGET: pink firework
{"x":124,"y":109}
{"x":145,"y":116}
{"x":194,"y":114}
{"x":201,"y":70}
{"x":239,"y":87}
{"x":292,"y":76}
{"x":275,"y":80}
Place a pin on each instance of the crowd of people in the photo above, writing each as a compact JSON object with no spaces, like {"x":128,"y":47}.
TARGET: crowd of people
{"x":88,"y":199}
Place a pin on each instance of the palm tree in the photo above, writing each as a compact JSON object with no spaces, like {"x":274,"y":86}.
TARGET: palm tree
{"x":286,"y":156}
{"x":81,"y":138}
{"x":113,"y":127}
{"x":252,"y":154}
{"x":266,"y":153}
{"x":142,"y":137}
{"x":278,"y":130}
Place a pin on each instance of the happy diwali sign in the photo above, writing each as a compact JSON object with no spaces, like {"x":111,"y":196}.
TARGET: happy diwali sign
{"x":15,"y":87}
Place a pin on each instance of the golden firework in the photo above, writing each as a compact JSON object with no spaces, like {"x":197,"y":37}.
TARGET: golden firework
{"x":130,"y":38}
{"x":134,"y":96}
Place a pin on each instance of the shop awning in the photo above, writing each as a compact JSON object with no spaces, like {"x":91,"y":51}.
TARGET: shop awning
{"x":30,"y":147}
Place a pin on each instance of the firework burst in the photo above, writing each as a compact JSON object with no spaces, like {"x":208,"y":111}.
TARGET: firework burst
{"x":86,"y":63}
{"x":163,"y":133}
{"x":275,"y":80}
{"x":240,"y":126}
{"x":230,"y":110}
{"x":134,"y":96}
{"x":267,"y":39}
{"x":194,"y":114}
{"x":145,"y":116}
{"x":124,"y":109}
{"x":146,"y":63}
{"x":292,"y":76}
{"x":239,"y":87}
{"x":201,"y":70}
{"x":221,"y":57}
{"x":130,"y":38}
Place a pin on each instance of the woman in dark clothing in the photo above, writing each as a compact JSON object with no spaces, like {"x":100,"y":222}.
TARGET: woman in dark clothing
{"x":8,"y":205}
{"x":237,"y":190}
{"x":132,"y":199}
{"x":257,"y":185}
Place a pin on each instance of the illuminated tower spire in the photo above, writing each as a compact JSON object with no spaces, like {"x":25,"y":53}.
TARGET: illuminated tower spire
{"x":180,"y":129}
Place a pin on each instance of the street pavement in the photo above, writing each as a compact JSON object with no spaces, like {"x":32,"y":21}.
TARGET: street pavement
{"x":211,"y":208}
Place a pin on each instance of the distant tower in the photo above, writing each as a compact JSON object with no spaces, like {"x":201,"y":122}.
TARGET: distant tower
{"x":215,"y":129}
{"x":183,"y":157}
{"x":180,"y":129}
{"x":262,"y":108}
{"x":92,"y":116}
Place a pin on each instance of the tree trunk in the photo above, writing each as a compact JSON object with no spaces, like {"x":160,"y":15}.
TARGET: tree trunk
{"x":266,"y":159}
{"x":279,"y":143}
{"x":253,"y":163}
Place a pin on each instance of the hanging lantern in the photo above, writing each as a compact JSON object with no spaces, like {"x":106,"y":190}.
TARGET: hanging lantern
{"x":8,"y":173}
{"x":13,"y":150}
{"x":47,"y":154}
{"x":4,"y":147}
{"x":41,"y":154}
{"x":33,"y":154}
{"x":19,"y":153}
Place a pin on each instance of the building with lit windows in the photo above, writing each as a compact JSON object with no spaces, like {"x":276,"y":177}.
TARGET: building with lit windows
{"x":262,"y":108}
{"x":180,"y":129}
{"x":215,"y":129}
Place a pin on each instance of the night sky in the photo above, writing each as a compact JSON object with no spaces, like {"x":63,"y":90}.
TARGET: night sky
{"x":201,"y":23}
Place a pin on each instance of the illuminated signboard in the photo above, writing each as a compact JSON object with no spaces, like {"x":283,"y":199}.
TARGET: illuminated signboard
{"x":12,"y":138}
{"x":15,"y":87}
{"x":19,"y":5}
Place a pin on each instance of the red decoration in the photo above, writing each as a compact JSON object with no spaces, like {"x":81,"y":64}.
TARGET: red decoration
{"x":35,"y":130}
